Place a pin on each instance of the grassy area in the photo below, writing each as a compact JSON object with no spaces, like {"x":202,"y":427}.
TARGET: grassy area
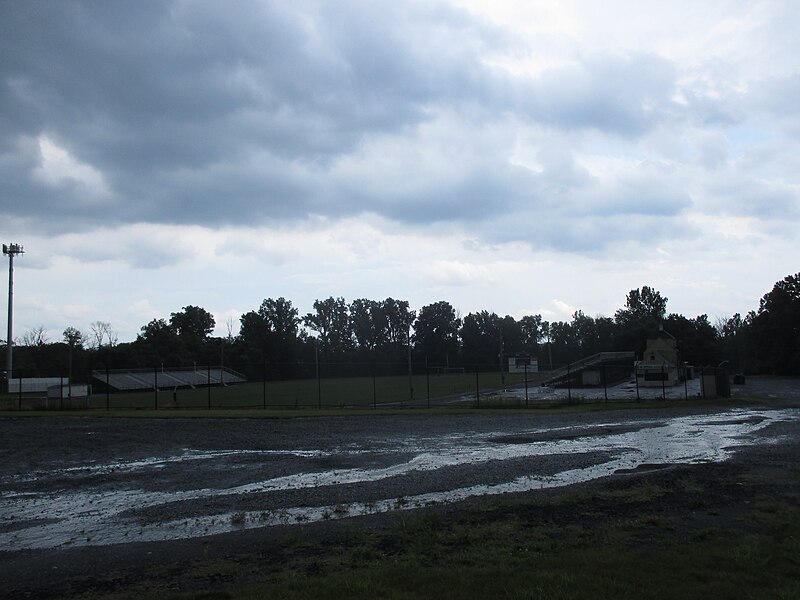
{"x":306,"y":393}
{"x":726,"y":536}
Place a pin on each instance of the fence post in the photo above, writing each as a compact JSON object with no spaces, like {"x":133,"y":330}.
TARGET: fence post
{"x":636,"y":379}
{"x":208,"y":379}
{"x":605,"y":382}
{"x":569,"y":384}
{"x":685,"y":383}
{"x":374,"y":388}
{"x":264,"y":381}
{"x":663,"y":384}
{"x":155,"y":388}
{"x":525,"y":367}
{"x":61,"y":394}
{"x":427,"y":382}
{"x":477,"y":388}
{"x":19,"y":378}
{"x":108,"y":388}
{"x":319,"y":386}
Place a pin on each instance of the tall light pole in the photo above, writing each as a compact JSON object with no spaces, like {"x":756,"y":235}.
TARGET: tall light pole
{"x":11,"y":250}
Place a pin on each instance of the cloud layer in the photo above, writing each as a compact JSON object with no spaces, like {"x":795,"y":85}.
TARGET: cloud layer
{"x":564,"y":129}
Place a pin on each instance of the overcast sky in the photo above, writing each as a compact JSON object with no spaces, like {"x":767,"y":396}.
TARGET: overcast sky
{"x":532,"y":157}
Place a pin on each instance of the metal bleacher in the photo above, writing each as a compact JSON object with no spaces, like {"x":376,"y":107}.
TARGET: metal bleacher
{"x":130,"y":381}
{"x":595,"y":361}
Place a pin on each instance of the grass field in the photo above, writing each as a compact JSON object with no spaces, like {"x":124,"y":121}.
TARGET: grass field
{"x":305,"y":393}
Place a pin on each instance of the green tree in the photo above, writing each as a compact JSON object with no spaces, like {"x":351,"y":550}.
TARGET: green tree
{"x":158,"y":343}
{"x":733,"y":333}
{"x":776,"y":328}
{"x":254,"y":330}
{"x":645,"y":307}
{"x":481,"y":338}
{"x":399,"y":318}
{"x":645,"y":310}
{"x":74,"y":340}
{"x":331,"y":321}
{"x":436,"y":333}
{"x":157,"y":332}
{"x":282,"y":319}
{"x":697,"y":339}
{"x":368,"y":323}
{"x":584,"y":331}
{"x":192,"y":322}
{"x":532,"y":332}
{"x":564,"y":343}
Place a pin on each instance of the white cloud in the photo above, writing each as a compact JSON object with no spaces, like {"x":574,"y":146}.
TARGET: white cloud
{"x":58,"y":167}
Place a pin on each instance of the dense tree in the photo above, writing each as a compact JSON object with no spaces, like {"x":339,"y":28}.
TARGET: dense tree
{"x":282,"y":319}
{"x":697,"y":339}
{"x":645,"y":307}
{"x":563,"y":343}
{"x":192,"y":322}
{"x":532,"y":331}
{"x":734,"y":333}
{"x":644,"y":312}
{"x":606,"y":334}
{"x":399,"y":318}
{"x":436,"y":333}
{"x":481,"y":338}
{"x":74,"y":338}
{"x":776,"y":328}
{"x":331,"y":321}
{"x":584,"y":331}
{"x":254,"y":331}
{"x":368,"y":323}
{"x":511,"y":336}
{"x":156,"y":332}
{"x":159,"y":343}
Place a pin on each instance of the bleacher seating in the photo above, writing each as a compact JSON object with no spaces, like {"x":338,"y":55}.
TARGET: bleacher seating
{"x":123,"y":381}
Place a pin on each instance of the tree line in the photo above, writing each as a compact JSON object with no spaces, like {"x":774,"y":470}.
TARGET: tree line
{"x":364,"y":331}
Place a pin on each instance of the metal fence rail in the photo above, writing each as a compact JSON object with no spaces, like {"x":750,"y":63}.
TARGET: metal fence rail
{"x":321,"y":385}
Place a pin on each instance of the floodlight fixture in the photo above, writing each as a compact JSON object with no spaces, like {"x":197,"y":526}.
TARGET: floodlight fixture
{"x":10,"y":250}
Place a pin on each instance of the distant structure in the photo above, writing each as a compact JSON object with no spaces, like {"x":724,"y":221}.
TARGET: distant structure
{"x":523,"y":364}
{"x":660,"y":361}
{"x":10,"y":250}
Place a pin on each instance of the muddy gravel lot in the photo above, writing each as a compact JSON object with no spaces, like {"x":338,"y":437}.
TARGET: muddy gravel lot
{"x":81,"y":496}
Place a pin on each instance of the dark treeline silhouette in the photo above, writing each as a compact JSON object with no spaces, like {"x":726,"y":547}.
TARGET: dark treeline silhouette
{"x":277,"y":342}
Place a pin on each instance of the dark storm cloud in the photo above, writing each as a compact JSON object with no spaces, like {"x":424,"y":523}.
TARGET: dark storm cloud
{"x":156,"y":93}
{"x":214,"y":114}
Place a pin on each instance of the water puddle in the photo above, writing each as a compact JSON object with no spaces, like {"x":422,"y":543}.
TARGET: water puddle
{"x":625,"y":391}
{"x":98,"y":515}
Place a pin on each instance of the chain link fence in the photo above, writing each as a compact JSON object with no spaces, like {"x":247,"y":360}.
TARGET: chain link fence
{"x":365,"y":385}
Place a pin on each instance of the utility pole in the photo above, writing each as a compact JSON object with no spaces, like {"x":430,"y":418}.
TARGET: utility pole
{"x":410,"y":370}
{"x":11,"y":250}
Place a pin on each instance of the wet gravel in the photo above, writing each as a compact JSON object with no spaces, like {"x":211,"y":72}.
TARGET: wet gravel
{"x":410,"y":484}
{"x":102,"y":457}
